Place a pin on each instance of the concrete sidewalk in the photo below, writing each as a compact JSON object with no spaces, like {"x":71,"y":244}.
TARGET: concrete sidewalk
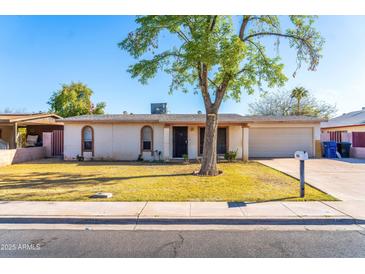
{"x":182,"y":215}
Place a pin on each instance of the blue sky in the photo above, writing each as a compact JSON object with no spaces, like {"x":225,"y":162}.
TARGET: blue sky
{"x":38,"y":53}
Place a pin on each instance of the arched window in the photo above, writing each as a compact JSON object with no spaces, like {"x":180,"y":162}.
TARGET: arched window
{"x":87,"y":144}
{"x":147,"y":139}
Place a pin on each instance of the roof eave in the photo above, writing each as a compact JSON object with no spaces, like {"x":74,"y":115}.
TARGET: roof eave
{"x":34,"y":117}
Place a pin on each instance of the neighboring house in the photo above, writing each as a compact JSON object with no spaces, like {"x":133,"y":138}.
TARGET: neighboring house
{"x":35,"y":125}
{"x":347,"y":127}
{"x":25,"y":137}
{"x":170,"y":136}
{"x":349,"y":122}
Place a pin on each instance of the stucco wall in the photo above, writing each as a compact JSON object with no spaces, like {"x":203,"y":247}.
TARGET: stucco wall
{"x":349,"y":129}
{"x":112,"y":141}
{"x":122,"y":141}
{"x":72,"y":141}
{"x":13,"y":156}
{"x":357,"y":152}
{"x":235,"y":140}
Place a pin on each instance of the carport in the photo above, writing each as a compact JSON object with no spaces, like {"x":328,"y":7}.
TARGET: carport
{"x":34,"y":124}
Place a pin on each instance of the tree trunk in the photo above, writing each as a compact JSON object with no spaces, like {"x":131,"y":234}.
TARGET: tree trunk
{"x":209,"y":162}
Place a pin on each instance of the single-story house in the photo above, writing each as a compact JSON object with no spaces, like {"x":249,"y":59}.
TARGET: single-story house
{"x":34,"y":124}
{"x":348,"y":122}
{"x":349,"y":127}
{"x":170,"y":136}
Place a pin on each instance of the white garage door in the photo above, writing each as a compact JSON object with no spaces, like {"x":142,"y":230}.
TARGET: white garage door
{"x":279,"y":142}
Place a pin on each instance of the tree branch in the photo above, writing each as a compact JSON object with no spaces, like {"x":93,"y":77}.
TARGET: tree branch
{"x":213,"y":23}
{"x":203,"y":78}
{"x":221,"y":91}
{"x":304,"y":40}
{"x":183,"y":36}
{"x":261,"y":52}
{"x":245,"y":20}
{"x":212,"y":82}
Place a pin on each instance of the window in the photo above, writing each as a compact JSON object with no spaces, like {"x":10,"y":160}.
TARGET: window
{"x":147,"y":138}
{"x":87,"y":139}
{"x":221,"y":140}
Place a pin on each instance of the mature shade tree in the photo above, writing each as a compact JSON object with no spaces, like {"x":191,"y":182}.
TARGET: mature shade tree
{"x":73,"y":100}
{"x":281,"y":103}
{"x":219,"y":56}
{"x":299,"y":93}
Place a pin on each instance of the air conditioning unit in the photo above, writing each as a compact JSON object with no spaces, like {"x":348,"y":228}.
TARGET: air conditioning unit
{"x":158,"y":108}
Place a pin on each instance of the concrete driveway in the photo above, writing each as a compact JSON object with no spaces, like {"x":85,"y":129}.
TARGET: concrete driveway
{"x":343,"y":179}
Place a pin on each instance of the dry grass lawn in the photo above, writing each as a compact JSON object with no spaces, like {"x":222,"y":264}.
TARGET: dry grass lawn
{"x":75,"y":181}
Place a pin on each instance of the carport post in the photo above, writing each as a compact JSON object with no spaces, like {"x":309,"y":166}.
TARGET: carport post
{"x":245,"y":143}
{"x":301,"y":178}
{"x":16,"y":135}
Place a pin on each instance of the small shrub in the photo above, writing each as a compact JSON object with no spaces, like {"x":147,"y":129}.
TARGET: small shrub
{"x":186,"y":158}
{"x":230,"y":155}
{"x":140,"y":158}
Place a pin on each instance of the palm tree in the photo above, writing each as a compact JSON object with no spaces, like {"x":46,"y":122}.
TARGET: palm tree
{"x":299,"y":93}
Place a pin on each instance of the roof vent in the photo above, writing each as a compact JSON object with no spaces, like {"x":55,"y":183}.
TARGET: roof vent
{"x":125,"y":112}
{"x":159,"y":108}
{"x":200,"y":112}
{"x":363,"y":108}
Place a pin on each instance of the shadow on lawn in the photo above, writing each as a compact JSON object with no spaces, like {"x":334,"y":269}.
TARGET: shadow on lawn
{"x":108,"y":163}
{"x":49,"y":180}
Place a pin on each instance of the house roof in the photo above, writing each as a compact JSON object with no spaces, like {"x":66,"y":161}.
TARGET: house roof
{"x":354,"y":118}
{"x":17,"y":118}
{"x":186,"y":118}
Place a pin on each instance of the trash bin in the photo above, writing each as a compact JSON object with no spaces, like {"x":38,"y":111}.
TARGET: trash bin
{"x":344,"y":149}
{"x":329,"y":149}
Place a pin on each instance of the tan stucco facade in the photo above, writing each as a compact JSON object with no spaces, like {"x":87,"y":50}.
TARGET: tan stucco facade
{"x":122,"y":141}
{"x":360,"y":128}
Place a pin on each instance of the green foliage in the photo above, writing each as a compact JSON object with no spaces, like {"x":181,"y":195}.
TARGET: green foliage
{"x":299,"y":93}
{"x":22,"y":136}
{"x":73,"y":100}
{"x":282,"y":103}
{"x":216,"y":58}
{"x":230,"y":155}
{"x":186,"y":157}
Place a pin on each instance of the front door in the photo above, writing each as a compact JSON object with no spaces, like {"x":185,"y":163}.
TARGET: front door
{"x":180,"y":141}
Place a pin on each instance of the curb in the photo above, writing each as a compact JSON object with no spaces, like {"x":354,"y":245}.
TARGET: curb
{"x":180,"y":221}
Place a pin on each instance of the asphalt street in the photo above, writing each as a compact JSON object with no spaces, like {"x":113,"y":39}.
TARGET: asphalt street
{"x":262,"y":244}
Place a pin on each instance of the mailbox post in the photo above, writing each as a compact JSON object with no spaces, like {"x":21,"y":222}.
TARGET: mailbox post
{"x":301,"y":156}
{"x":302,"y":192}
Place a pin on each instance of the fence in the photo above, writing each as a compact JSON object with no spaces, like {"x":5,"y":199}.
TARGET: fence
{"x":337,"y":136}
{"x":53,"y":142}
{"x":358,"y":139}
{"x":57,"y":143}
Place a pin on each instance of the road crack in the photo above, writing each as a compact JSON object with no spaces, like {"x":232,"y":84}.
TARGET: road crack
{"x":176,"y":245}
